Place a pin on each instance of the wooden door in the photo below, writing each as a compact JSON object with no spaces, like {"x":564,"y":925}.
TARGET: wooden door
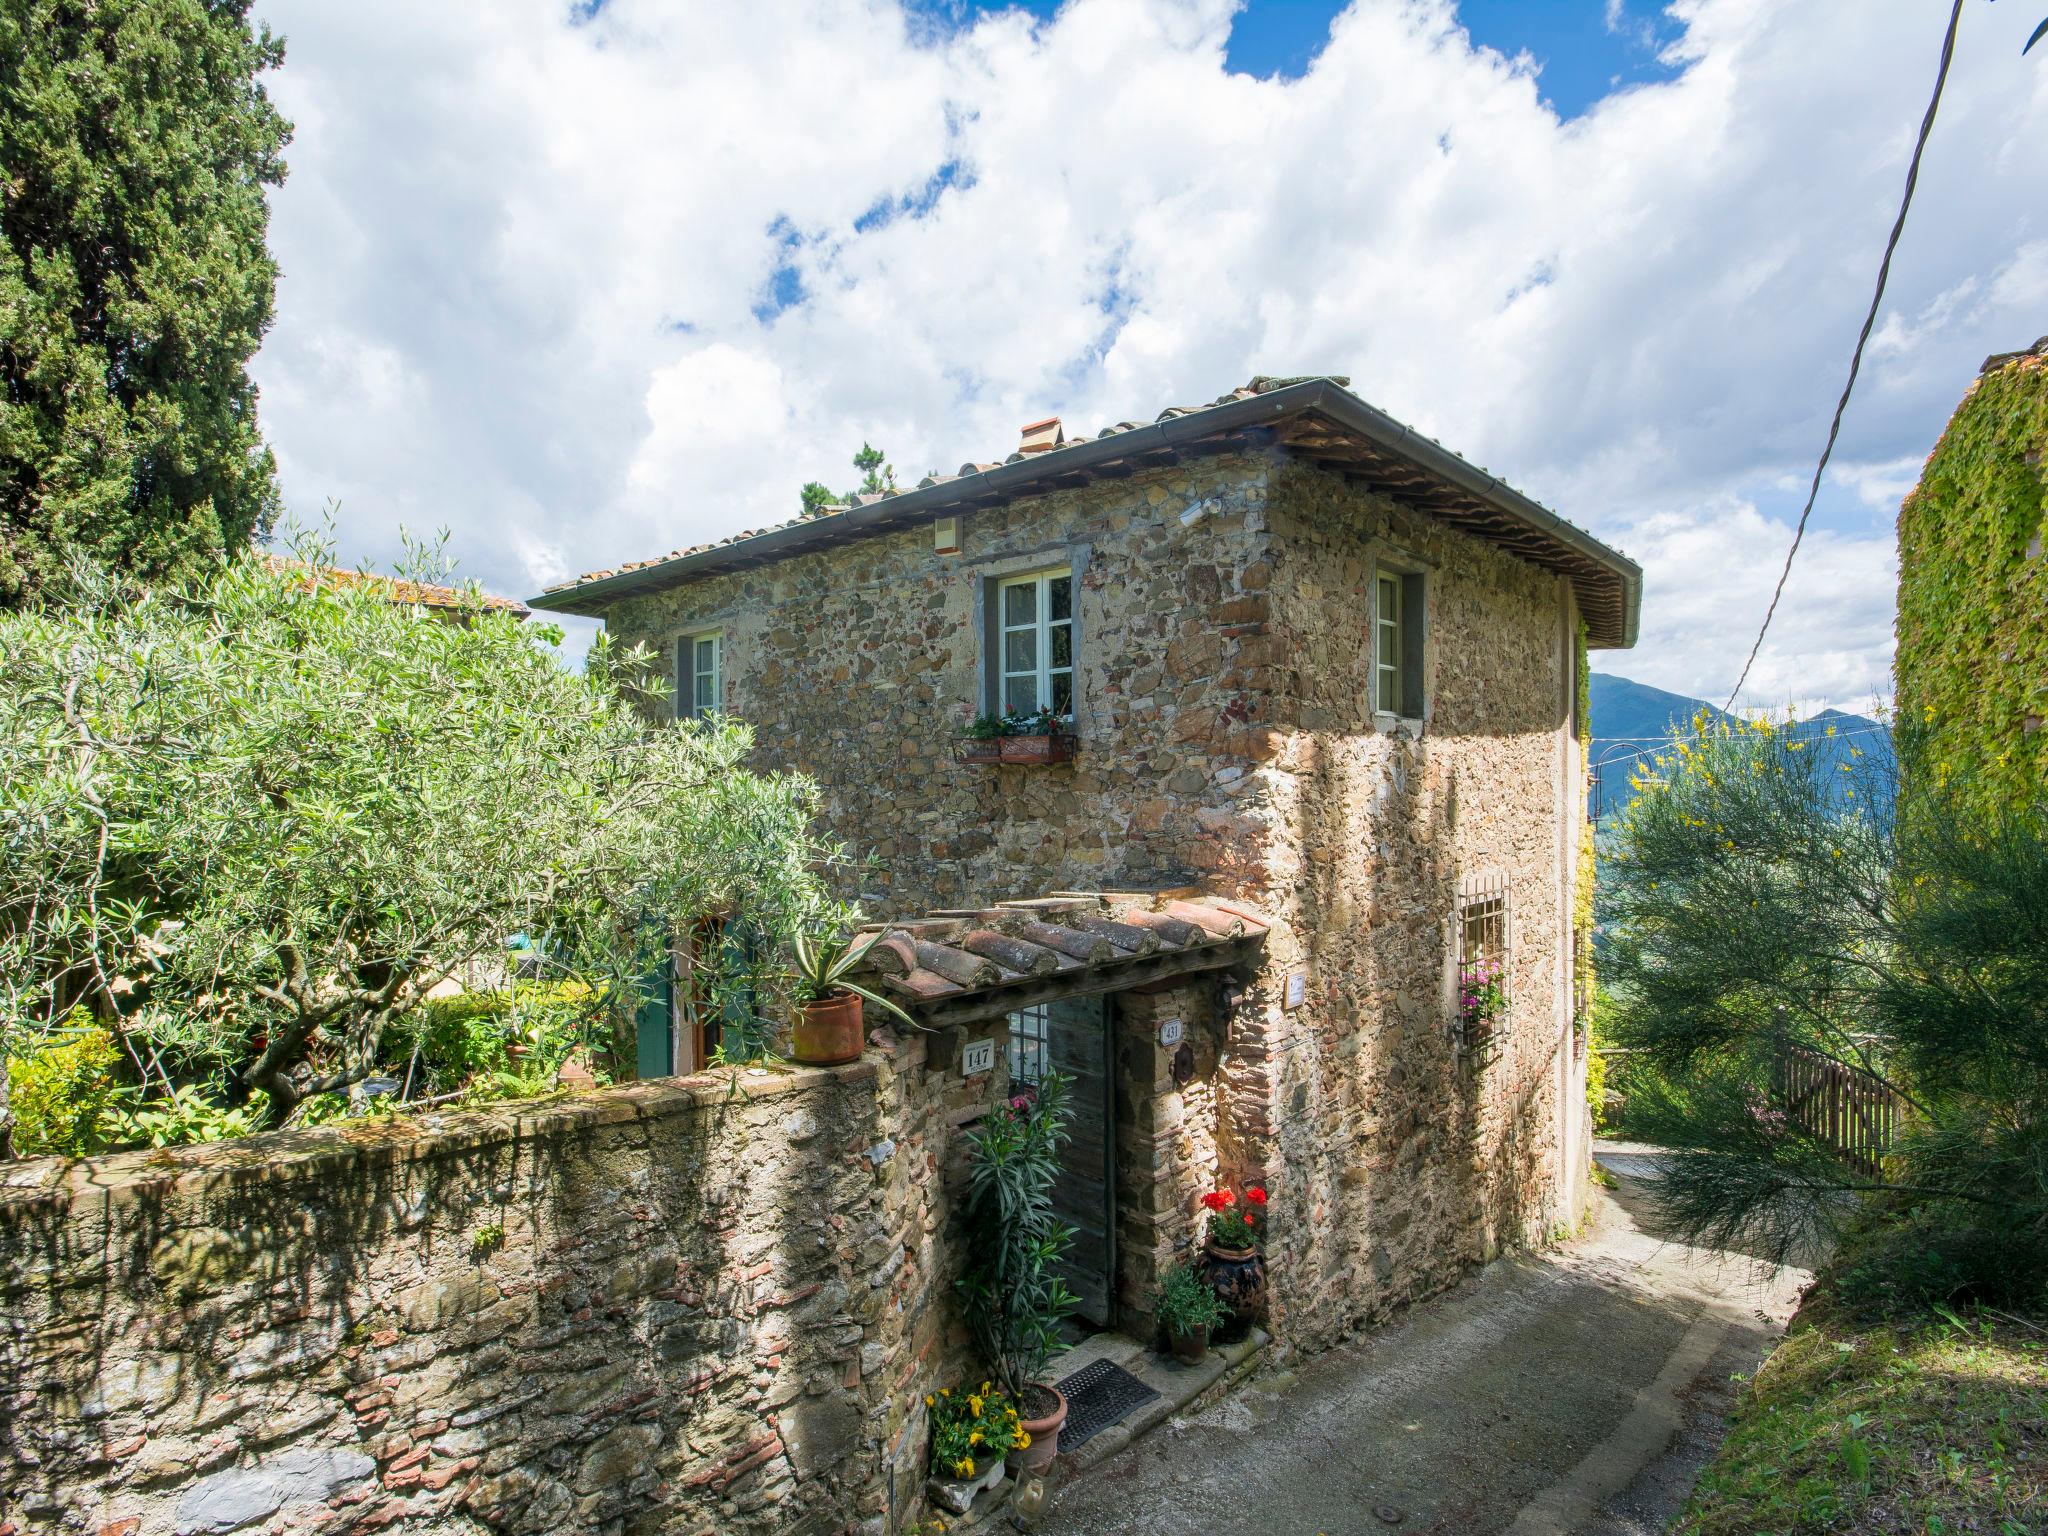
{"x":1072,"y":1039}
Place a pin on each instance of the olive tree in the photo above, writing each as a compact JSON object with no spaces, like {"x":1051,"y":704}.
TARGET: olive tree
{"x":248,"y":824}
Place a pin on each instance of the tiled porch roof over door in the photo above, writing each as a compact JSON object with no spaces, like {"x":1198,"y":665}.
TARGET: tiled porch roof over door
{"x":962,"y":966}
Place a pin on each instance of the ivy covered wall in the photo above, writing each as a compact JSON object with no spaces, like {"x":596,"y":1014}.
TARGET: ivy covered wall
{"x":1973,"y":593}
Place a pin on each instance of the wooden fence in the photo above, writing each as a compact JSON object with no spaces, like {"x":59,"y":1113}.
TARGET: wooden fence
{"x":1854,"y":1112}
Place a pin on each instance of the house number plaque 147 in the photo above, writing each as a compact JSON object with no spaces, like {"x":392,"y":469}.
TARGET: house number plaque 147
{"x":976,"y":1057}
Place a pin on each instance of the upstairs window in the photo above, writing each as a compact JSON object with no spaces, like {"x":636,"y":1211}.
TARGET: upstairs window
{"x":700,"y":675}
{"x":1033,"y":635}
{"x":1397,"y":644}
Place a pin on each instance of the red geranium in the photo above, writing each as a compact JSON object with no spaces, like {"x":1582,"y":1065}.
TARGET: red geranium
{"x":1256,"y":1195}
{"x":1219,"y":1200}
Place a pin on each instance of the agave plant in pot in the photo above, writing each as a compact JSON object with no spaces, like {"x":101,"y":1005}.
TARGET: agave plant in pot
{"x":1231,"y":1262}
{"x":827,"y":1027}
{"x":1013,"y":1295}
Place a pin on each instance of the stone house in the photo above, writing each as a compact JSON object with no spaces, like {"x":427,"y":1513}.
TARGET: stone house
{"x":1323,"y":681}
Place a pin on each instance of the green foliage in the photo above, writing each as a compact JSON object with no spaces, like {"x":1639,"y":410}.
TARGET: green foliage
{"x":990,"y":727}
{"x":486,"y":1240}
{"x":823,"y":966}
{"x":970,"y":1426}
{"x":1884,"y":1427}
{"x":1942,"y":1256}
{"x":1752,"y":916}
{"x":135,"y":285}
{"x":62,"y":1093}
{"x":484,"y":1040}
{"x":254,"y":824}
{"x":1973,"y":598}
{"x":1013,"y":1296}
{"x":188,"y":1113}
{"x":1596,"y":1085}
{"x":1186,"y":1303}
{"x":876,"y":475}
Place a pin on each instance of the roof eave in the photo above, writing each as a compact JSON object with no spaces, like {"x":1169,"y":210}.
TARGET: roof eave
{"x":1018,"y":477}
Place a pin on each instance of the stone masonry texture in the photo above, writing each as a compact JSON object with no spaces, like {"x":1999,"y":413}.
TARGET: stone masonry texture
{"x":679,"y":1307}
{"x":715,"y":1305}
{"x":1226,"y":740}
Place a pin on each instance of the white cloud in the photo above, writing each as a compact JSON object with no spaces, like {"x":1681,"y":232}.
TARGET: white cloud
{"x":523,"y":259}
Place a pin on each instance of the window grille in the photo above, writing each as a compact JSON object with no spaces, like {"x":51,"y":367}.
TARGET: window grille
{"x":1028,"y":1048}
{"x":1484,"y":959}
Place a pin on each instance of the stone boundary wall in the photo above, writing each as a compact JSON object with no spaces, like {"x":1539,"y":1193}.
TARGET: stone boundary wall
{"x":681,"y":1306}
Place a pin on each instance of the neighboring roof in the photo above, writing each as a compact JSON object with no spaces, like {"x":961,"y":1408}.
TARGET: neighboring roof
{"x":1316,"y":419}
{"x":959,"y":966}
{"x":424,"y":594}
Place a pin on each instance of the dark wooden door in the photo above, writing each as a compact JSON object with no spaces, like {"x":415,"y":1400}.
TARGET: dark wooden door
{"x":1077,"y":1047}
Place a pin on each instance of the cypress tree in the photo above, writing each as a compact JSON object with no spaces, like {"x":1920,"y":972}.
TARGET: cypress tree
{"x":136,"y":144}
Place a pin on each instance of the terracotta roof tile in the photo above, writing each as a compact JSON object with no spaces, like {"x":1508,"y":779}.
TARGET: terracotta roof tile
{"x":399,"y":589}
{"x":969,"y":957}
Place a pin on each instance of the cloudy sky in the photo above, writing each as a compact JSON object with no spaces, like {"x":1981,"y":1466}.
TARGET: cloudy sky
{"x":585,"y":280}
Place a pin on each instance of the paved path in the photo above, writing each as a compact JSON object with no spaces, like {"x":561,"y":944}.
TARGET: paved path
{"x":1575,"y":1391}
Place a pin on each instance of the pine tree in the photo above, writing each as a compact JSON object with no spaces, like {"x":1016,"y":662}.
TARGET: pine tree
{"x":136,"y":144}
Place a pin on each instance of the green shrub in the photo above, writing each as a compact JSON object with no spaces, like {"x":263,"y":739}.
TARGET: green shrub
{"x":62,"y":1095}
{"x":1943,"y":1256}
{"x":1186,"y":1303}
{"x":185,"y":1115}
{"x":1012,"y":1293}
{"x":276,"y":810}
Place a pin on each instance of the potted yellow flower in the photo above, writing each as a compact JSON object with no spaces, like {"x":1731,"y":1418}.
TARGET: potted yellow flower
{"x":972,"y":1432}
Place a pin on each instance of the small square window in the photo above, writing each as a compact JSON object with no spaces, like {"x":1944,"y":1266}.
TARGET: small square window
{"x":1397,"y":607}
{"x":700,"y":676}
{"x":1483,"y":962}
{"x":1031,"y":641}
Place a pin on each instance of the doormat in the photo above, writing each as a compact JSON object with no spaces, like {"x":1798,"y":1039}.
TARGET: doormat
{"x":1098,"y":1395}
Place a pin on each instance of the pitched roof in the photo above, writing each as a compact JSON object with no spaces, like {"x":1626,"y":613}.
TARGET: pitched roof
{"x":398,"y":589}
{"x":1316,"y":418}
{"x":957,"y":966}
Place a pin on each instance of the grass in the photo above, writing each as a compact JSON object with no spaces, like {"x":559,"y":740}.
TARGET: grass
{"x":1935,"y":1426}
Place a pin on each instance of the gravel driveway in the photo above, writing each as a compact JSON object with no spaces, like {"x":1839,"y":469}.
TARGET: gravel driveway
{"x":1574,"y":1391}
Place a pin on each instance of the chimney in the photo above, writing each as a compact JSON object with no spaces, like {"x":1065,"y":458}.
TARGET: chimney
{"x":1039,"y":436}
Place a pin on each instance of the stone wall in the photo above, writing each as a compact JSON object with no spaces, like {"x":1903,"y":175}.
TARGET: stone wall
{"x":1404,"y":1160}
{"x":684,"y":1307}
{"x":859,"y":664}
{"x":1226,"y":740}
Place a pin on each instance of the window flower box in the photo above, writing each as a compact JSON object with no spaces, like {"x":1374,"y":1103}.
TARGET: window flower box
{"x":1040,"y":737}
{"x":1045,"y":747}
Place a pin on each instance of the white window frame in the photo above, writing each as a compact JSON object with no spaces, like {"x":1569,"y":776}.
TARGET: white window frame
{"x":1387,"y":657}
{"x":1040,"y":626}
{"x":687,"y":676}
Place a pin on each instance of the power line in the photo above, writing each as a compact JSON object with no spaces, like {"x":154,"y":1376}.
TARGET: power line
{"x":1948,"y":49}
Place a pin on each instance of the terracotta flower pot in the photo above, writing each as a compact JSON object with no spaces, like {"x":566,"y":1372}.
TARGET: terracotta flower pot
{"x":1238,"y":1277}
{"x":827,"y":1032}
{"x":1191,"y":1345}
{"x":1044,"y":1433}
{"x":974,"y":750}
{"x":1055,"y":748}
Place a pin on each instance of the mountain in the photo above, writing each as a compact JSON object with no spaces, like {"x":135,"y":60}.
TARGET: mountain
{"x":1632,"y":722}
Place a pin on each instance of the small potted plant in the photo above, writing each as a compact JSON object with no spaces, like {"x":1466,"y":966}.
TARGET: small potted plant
{"x":1187,"y":1309}
{"x":1039,"y":737}
{"x":1013,"y":1295}
{"x":1482,"y":999}
{"x":973,"y":1433}
{"x":982,"y":740}
{"x":1231,"y":1262}
{"x":827,"y":1027}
